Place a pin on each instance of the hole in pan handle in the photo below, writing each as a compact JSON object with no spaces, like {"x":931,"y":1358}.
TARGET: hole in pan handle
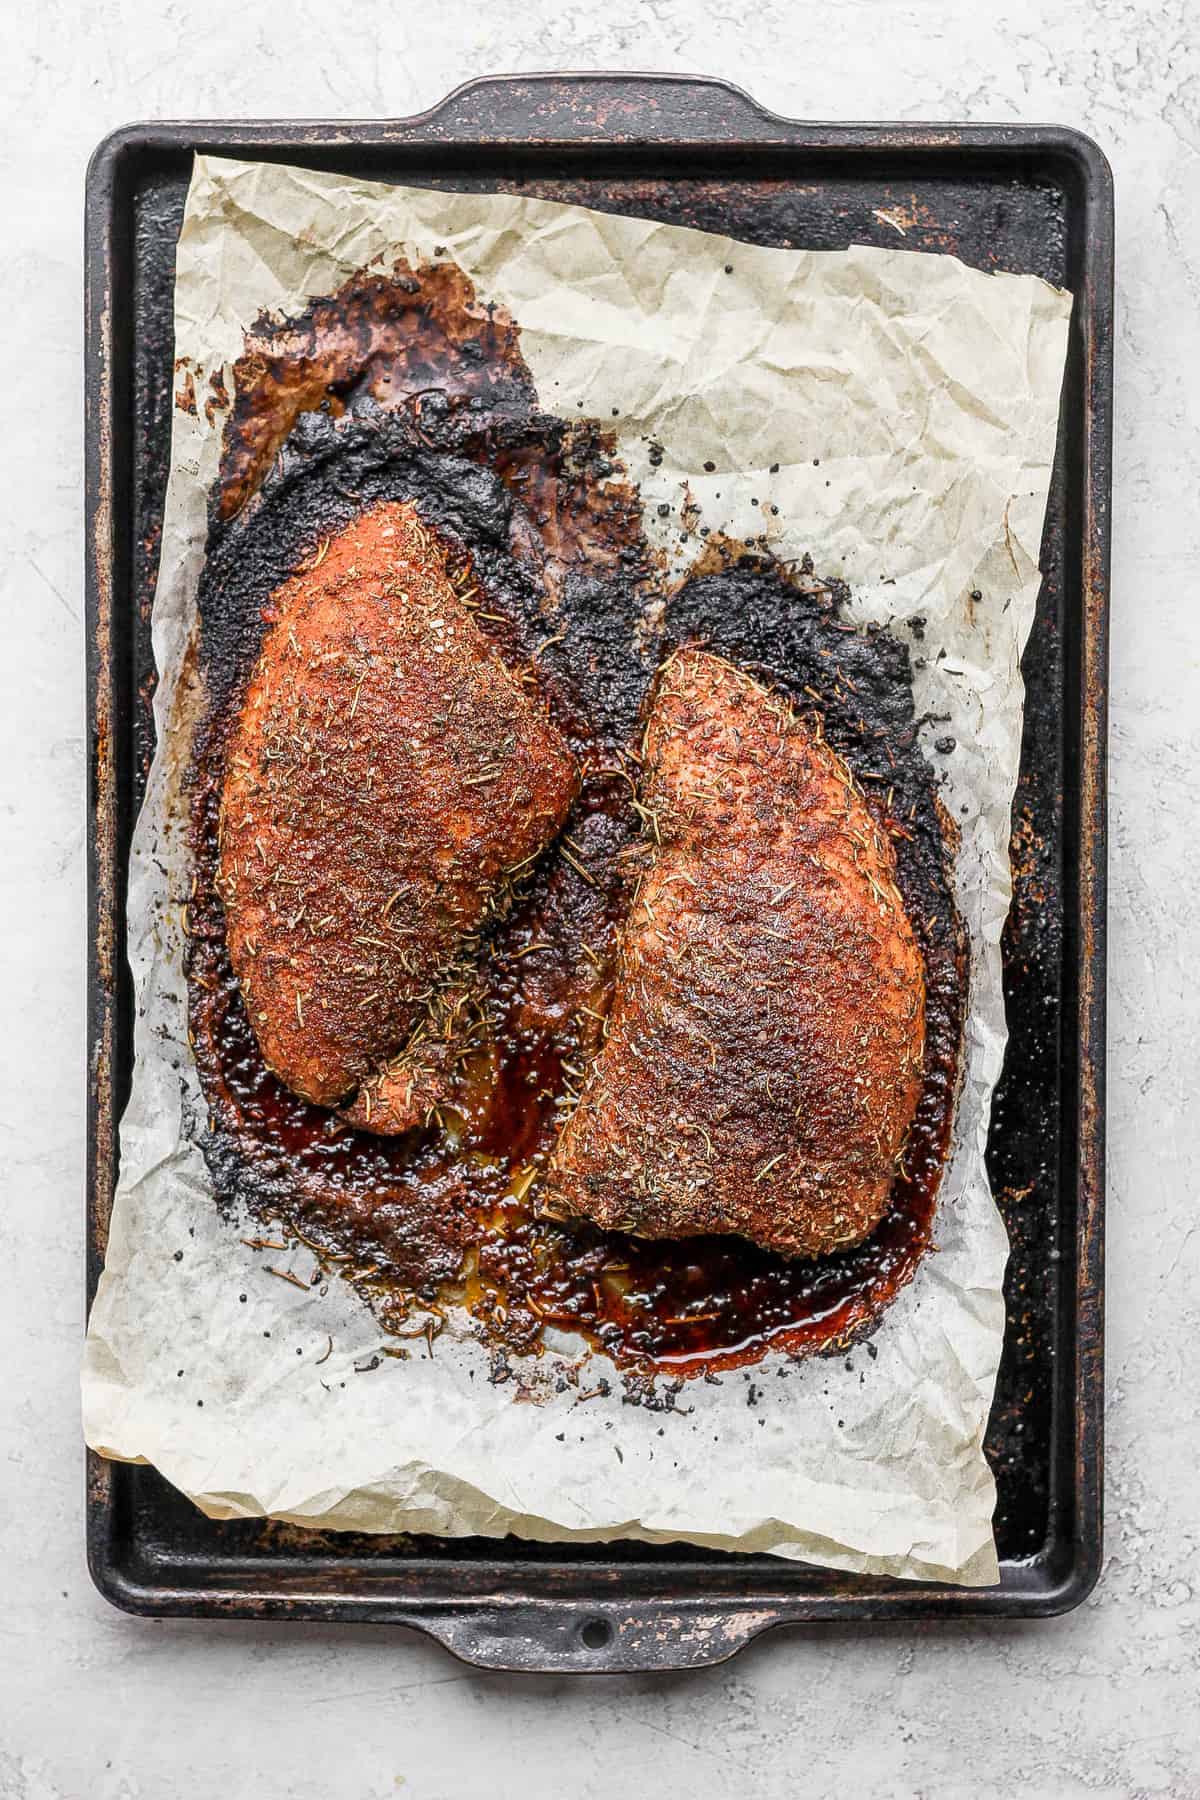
{"x":558,"y":1637}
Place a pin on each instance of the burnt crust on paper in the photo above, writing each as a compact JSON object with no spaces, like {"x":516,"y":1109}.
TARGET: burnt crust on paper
{"x":534,"y":511}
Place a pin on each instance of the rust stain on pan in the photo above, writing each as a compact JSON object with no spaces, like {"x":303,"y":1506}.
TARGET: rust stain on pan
{"x":104,"y":856}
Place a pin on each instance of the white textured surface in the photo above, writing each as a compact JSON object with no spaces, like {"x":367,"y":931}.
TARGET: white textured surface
{"x":1102,"y":1702}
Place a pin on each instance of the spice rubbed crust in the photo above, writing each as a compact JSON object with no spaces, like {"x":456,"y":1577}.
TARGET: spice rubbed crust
{"x":386,"y":777}
{"x":765,"y":1045}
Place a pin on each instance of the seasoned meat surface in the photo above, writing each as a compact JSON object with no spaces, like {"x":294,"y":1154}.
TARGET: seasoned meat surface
{"x":385,"y":776}
{"x":406,"y":1091}
{"x":404,"y":1094}
{"x":764,"y":1052}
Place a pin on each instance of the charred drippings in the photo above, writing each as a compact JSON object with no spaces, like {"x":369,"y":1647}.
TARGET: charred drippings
{"x":430,"y":403}
{"x":388,"y":337}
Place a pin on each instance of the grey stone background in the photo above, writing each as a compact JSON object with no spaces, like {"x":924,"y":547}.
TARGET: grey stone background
{"x":1102,"y":1702}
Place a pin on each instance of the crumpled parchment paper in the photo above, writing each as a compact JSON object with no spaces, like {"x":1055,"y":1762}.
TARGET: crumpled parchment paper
{"x":911,"y":404}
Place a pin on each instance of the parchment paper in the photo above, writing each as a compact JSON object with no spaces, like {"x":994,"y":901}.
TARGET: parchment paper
{"x":911,"y":404}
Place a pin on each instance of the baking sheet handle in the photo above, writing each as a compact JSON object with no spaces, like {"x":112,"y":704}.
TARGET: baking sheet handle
{"x":612,"y":108}
{"x":551,"y":1637}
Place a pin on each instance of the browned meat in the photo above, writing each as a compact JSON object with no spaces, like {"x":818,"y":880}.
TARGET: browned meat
{"x":403,"y":1095}
{"x":386,"y":775}
{"x":764,"y":1052}
{"x":406,"y":1092}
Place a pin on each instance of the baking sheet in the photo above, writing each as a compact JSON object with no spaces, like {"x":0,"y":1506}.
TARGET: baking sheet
{"x":929,"y":394}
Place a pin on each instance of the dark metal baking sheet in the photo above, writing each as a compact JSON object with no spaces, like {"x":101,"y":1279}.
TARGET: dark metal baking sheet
{"x":694,"y":152}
